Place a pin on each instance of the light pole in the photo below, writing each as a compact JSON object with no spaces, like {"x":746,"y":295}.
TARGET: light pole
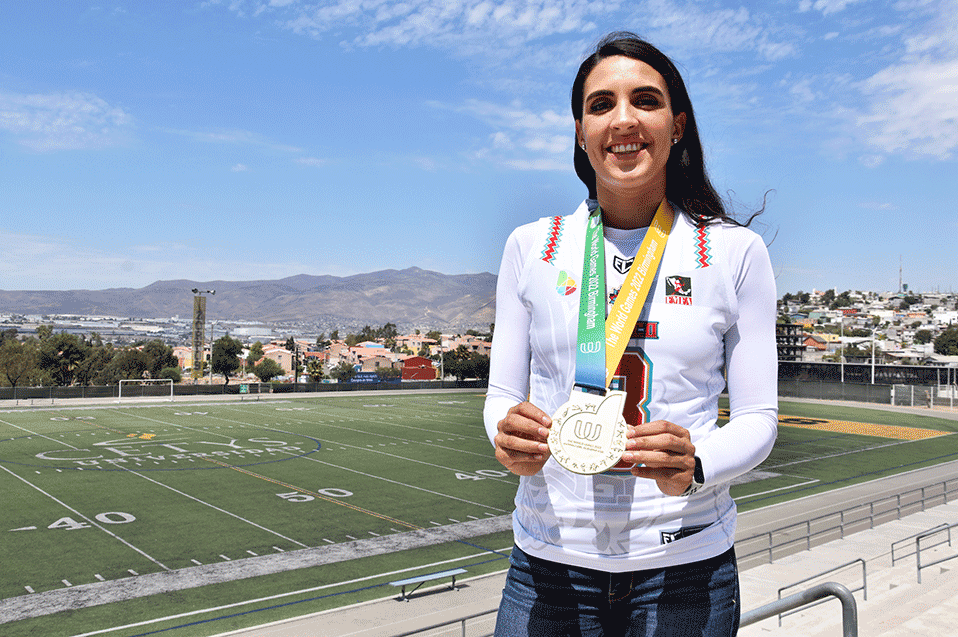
{"x":841,"y":341}
{"x":873,"y":354}
{"x":199,"y":295}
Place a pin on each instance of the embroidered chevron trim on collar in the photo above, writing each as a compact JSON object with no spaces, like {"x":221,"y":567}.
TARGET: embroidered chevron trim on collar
{"x":702,"y":247}
{"x":552,"y":240}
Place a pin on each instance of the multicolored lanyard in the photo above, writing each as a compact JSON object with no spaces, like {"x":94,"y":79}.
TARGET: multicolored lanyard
{"x":601,"y":343}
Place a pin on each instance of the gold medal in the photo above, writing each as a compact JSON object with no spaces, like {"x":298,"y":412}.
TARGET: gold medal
{"x":588,"y":432}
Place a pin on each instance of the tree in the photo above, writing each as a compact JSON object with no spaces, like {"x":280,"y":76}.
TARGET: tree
{"x":463,"y":364}
{"x":435,"y":335}
{"x":293,"y":348}
{"x":126,"y":364}
{"x":92,"y":367}
{"x":314,"y":369}
{"x":388,"y":373}
{"x":947,"y":342}
{"x":61,"y":355}
{"x":267,"y":370}
{"x":226,"y":351}
{"x":255,"y":353}
{"x":18,"y":360}
{"x":343,"y":372}
{"x":842,"y":300}
{"x":173,"y":373}
{"x":159,"y":355}
{"x":923,"y":337}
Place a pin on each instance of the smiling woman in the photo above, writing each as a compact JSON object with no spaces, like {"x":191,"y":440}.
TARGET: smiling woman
{"x":624,"y":489}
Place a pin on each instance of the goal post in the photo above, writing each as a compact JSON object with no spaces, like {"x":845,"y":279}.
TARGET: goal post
{"x":160,"y":383}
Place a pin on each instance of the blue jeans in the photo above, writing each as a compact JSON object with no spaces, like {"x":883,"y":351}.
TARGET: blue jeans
{"x":545,"y":599}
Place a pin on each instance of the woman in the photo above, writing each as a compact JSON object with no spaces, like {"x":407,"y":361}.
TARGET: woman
{"x":646,"y":547}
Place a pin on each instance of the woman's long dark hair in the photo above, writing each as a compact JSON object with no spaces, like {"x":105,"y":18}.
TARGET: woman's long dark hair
{"x":686,"y":182}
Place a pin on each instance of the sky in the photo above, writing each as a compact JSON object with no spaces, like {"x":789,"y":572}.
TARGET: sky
{"x":260,"y":139}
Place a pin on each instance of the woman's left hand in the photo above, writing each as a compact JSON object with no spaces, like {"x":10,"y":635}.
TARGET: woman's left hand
{"x":666,"y":452}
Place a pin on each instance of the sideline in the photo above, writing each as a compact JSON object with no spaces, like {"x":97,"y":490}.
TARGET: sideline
{"x":201,"y":399}
{"x":937,"y":412}
{"x":99,"y":593}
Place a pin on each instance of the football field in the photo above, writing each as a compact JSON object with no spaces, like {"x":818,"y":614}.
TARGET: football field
{"x":195,"y":518}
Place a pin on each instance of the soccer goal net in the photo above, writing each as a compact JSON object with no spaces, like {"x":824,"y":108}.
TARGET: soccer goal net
{"x":139,"y":387}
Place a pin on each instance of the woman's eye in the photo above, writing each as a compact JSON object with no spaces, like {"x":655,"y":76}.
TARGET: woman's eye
{"x":599,"y":105}
{"x":646,"y":101}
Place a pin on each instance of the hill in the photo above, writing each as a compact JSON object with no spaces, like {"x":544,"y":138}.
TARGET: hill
{"x":411,"y":296}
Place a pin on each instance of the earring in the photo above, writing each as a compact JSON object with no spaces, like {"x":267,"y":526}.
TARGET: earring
{"x":675,"y":140}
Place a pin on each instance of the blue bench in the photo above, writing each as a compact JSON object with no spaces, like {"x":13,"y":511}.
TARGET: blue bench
{"x":422,"y":579}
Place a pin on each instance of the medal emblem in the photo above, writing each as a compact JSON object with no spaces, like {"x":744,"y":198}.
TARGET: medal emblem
{"x":588,"y":432}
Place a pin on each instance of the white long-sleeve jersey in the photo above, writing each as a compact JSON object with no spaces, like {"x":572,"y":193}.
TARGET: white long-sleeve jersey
{"x":709,"y":319}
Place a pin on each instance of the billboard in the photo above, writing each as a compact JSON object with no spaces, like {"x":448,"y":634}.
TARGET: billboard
{"x":199,"y":336}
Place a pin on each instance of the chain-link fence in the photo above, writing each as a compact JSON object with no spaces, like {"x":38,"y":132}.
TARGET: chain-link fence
{"x":931,"y":396}
{"x":56,"y":393}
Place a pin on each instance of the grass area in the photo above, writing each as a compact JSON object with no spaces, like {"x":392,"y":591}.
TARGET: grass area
{"x":110,"y":492}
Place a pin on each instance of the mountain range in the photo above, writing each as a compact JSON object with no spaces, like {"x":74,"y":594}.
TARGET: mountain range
{"x":413,"y":297}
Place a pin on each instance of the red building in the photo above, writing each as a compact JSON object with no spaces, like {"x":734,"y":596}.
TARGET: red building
{"x":418,"y":368}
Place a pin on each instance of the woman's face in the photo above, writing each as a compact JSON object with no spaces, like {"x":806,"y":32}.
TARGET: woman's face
{"x":627,"y":127}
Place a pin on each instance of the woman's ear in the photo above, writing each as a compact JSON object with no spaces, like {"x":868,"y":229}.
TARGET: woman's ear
{"x":678,"y":126}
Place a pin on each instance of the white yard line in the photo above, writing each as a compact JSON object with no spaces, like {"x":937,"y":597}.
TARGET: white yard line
{"x":216,"y":508}
{"x":91,"y":522}
{"x":33,"y":433}
{"x":791,"y":486}
{"x":512,"y":482}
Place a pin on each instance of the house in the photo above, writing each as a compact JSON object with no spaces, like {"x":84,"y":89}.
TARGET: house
{"x":418,"y":368}
{"x":815,"y":342}
{"x":374,"y":363}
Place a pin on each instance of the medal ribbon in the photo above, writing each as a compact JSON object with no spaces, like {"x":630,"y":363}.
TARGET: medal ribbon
{"x":601,"y":344}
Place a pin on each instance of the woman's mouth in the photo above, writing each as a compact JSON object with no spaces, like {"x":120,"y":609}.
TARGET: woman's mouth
{"x":620,"y":149}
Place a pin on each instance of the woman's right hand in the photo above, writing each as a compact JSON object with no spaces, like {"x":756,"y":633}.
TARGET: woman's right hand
{"x":521,"y":444}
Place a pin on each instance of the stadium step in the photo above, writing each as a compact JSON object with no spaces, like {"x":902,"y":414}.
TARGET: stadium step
{"x":895,"y":599}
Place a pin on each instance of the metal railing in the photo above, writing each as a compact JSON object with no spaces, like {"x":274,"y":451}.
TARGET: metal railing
{"x":452,"y":622}
{"x":811,"y":596}
{"x":918,"y":548}
{"x":807,"y":597}
{"x":907,"y":541}
{"x":890,"y":507}
{"x":863,"y":587}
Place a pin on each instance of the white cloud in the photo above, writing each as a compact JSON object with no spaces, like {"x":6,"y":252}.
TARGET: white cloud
{"x":237,"y":137}
{"x":63,"y":121}
{"x":826,"y":7}
{"x":450,"y":24}
{"x":690,"y":27}
{"x":311,"y":161}
{"x":911,"y":107}
{"x":240,"y":168}
{"x":523,"y":138}
{"x":64,"y":263}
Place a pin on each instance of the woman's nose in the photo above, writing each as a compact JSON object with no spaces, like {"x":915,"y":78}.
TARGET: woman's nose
{"x":625,"y":116}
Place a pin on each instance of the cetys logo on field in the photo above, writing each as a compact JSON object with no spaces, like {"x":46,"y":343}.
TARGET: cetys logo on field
{"x":859,"y":428}
{"x":102,"y":448}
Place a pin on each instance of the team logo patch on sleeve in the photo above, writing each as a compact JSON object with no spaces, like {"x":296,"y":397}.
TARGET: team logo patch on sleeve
{"x":678,"y":290}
